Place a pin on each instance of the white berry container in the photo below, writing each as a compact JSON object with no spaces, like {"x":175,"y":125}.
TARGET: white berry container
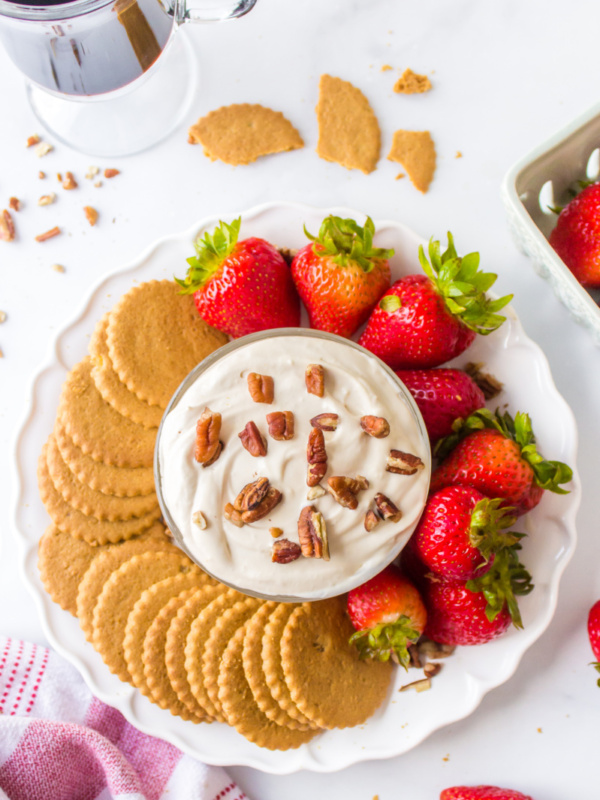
{"x":542,"y":179}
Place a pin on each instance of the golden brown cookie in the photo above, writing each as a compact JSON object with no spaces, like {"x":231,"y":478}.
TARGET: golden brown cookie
{"x":348,"y":129}
{"x":118,"y":481}
{"x":97,"y":428}
{"x":239,"y":134}
{"x":110,"y":386}
{"x":242,"y":711}
{"x":120,"y":594}
{"x":88,"y":501}
{"x":175,"y":645}
{"x":325,"y":675}
{"x":84,"y":526}
{"x":255,"y":674}
{"x":107,"y":562}
{"x":412,"y":83}
{"x":416,"y":152}
{"x":155,"y":671}
{"x":62,"y":562}
{"x":155,"y":337}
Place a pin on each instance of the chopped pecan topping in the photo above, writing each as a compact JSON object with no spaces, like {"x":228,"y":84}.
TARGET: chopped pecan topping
{"x":315,"y":379}
{"x":344,"y":489}
{"x":7,"y":227}
{"x":260,"y":387}
{"x":276,"y":532}
{"x":47,"y":199}
{"x":285,"y":551}
{"x":208,"y":447}
{"x":252,"y":439}
{"x":42,"y":237}
{"x":251,"y":495}
{"x":69,"y":181}
{"x":42,"y":149}
{"x":312,"y":534}
{"x":267,"y":504}
{"x":281,"y":425}
{"x":387,"y":509}
{"x":41,"y":175}
{"x":233,"y":515}
{"x":91,"y":215}
{"x":378,"y":427}
{"x":403,"y":463}
{"x":14,"y":203}
{"x":316,"y":455}
{"x":325,"y":422}
{"x":315,"y":492}
{"x":31,"y":140}
{"x":371,"y":520}
{"x":199,"y":519}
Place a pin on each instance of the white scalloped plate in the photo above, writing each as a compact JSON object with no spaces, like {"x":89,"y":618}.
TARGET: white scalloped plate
{"x":407,"y":718}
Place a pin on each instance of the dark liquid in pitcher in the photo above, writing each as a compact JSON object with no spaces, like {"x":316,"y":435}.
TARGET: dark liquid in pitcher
{"x":93,"y":53}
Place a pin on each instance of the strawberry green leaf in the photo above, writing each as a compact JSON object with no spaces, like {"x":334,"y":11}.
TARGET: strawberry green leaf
{"x":386,"y":638}
{"x":211,"y":251}
{"x":487,"y":522}
{"x":345,"y":242}
{"x":596,"y":666}
{"x":501,"y":584}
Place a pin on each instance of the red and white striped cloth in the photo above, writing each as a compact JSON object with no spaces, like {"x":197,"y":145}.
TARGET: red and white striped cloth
{"x":58,"y":742}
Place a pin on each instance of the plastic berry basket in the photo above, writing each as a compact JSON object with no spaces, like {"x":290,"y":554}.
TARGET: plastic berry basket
{"x":543,"y":179}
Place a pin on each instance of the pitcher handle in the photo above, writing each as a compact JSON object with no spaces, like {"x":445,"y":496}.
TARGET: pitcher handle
{"x":216,"y":11}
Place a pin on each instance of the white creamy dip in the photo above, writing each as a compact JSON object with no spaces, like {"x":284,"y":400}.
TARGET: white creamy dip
{"x":356,"y":384}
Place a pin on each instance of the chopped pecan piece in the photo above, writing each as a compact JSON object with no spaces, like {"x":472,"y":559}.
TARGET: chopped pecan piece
{"x":421,"y":685}
{"x":378,"y":427}
{"x":315,"y":379}
{"x":91,"y":215}
{"x":208,"y":447}
{"x":312,"y":534}
{"x":42,"y":237}
{"x":316,"y":455}
{"x":371,"y":520}
{"x":251,"y":495}
{"x":261,"y":387}
{"x":387,"y":509}
{"x":325,"y":422}
{"x":7,"y":227}
{"x":431,"y":670}
{"x":111,"y":173}
{"x":31,"y":140}
{"x":315,"y":492}
{"x":285,"y":551}
{"x":403,"y":463}
{"x":233,"y":515}
{"x":267,"y":504}
{"x":344,"y":489}
{"x":252,"y":439}
{"x":199,"y":519}
{"x":47,"y":199}
{"x":281,"y":425}
{"x":14,"y":203}
{"x":69,"y":181}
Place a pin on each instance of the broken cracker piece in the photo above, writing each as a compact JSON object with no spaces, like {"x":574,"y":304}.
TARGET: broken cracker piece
{"x":411,"y":83}
{"x":241,"y":133}
{"x":348,"y":129}
{"x":416,"y":152}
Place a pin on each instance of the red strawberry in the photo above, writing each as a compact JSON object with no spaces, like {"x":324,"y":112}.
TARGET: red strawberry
{"x":459,"y":533}
{"x":482,"y":793}
{"x":388,"y":614}
{"x":481,"y":609}
{"x":340,"y":276}
{"x":240,"y":287}
{"x":594,"y":633}
{"x":425,"y":320}
{"x":442,"y":395}
{"x":497,"y":455}
{"x":576,"y":237}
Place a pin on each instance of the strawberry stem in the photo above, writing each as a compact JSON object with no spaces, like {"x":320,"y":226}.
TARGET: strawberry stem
{"x":386,"y":638}
{"x":506,"y":579}
{"x":345,"y":241}
{"x":487,"y":519}
{"x":211,"y":251}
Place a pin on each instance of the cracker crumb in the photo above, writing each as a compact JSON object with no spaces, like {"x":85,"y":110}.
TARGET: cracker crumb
{"x":58,"y":268}
{"x":1,"y":353}
{"x":386,"y":68}
{"x":42,"y":149}
{"x":400,"y":175}
{"x":42,"y":237}
{"x":14,"y":203}
{"x":539,"y":730}
{"x":446,"y":757}
{"x":92,"y":172}
{"x":31,"y":140}
{"x":47,"y":199}
{"x":41,"y":175}
{"x":416,"y":152}
{"x":59,"y":177}
{"x":458,"y":154}
{"x":412,"y":83}
{"x":2,"y":317}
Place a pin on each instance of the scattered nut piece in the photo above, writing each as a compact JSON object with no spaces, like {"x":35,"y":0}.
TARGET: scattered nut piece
{"x":325,"y":422}
{"x":371,"y":520}
{"x":276,"y":533}
{"x":251,"y":495}
{"x":91,"y":215}
{"x":378,"y":427}
{"x":490,"y":386}
{"x":7,"y":227}
{"x":316,"y":455}
{"x":2,"y":317}
{"x":431,"y":670}
{"x":285,"y":551}
{"x":1,"y":353}
{"x":315,"y":379}
{"x":312,"y":534}
{"x":208,"y":446}
{"x":403,"y":463}
{"x":415,"y":656}
{"x":419,"y":686}
{"x":14,"y":203}
{"x":344,"y":489}
{"x":59,"y":177}
{"x":387,"y":509}
{"x":31,"y":140}
{"x":91,"y":173}
{"x":69,"y":182}
{"x":266,"y":505}
{"x":260,"y":387}
{"x":41,"y":175}
{"x":47,"y":199}
{"x":42,"y":237}
{"x":252,"y":439}
{"x":281,"y":425}
{"x":111,"y":173}
{"x":234,"y":516}
{"x":42,"y":149}
{"x":431,"y":649}
{"x":58,"y":268}
{"x":315,"y":492}
{"x":199,"y":519}
{"x":98,"y":184}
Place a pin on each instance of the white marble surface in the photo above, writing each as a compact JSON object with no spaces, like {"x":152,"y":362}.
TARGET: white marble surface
{"x":505,"y":76}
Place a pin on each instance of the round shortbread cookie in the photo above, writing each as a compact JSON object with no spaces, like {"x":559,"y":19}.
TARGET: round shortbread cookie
{"x":271,"y":659}
{"x":97,"y":428}
{"x":117,"y":481}
{"x":143,"y":615}
{"x":90,"y":502}
{"x":110,"y":560}
{"x":255,"y":674}
{"x":197,"y":637}
{"x":155,"y":337}
{"x":326,"y":677}
{"x":120,"y":594}
{"x":112,"y":389}
{"x":84,"y":526}
{"x":175,"y":645}
{"x":62,"y":562}
{"x":224,"y":628}
{"x":156,"y":676}
{"x":242,"y":711}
